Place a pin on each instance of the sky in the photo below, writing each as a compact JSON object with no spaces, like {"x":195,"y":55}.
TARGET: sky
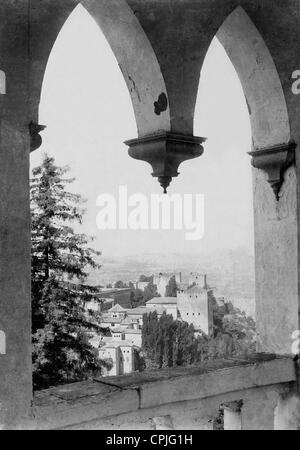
{"x":87,"y":109}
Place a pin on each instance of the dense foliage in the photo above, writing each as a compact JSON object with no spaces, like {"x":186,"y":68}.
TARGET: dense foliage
{"x":168,"y":343}
{"x":60,"y":324}
{"x":171,"y":288}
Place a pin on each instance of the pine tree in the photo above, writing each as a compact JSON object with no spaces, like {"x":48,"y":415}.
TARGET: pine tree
{"x":171,"y":288}
{"x":150,"y":292}
{"x":60,"y":324}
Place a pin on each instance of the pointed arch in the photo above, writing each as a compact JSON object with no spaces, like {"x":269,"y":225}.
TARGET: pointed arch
{"x":259,"y":78}
{"x":131,"y":48}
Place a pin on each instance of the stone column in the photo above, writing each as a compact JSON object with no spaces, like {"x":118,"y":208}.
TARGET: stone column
{"x":15,"y":308}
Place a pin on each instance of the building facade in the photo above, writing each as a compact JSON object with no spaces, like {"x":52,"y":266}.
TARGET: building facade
{"x":196,"y":307}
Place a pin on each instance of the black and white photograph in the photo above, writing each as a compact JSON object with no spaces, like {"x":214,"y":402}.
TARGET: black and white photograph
{"x":149,"y":209}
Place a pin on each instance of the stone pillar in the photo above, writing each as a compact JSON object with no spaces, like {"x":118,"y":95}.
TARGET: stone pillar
{"x":276,"y":262}
{"x":287,"y":413}
{"x":15,"y":309}
{"x":258,"y":410}
{"x":232,"y":416}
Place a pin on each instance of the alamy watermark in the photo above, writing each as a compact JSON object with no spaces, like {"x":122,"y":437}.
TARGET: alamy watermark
{"x":296,"y":83}
{"x":296,"y":342}
{"x":158,"y":212}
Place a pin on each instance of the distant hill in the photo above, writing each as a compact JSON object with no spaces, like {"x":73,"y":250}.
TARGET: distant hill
{"x":231,"y":273}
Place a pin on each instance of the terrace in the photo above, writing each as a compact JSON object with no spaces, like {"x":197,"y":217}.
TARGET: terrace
{"x":254,"y":393}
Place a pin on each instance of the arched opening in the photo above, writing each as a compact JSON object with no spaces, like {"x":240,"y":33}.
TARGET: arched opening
{"x":86,"y":107}
{"x":274,"y":190}
{"x":225,"y":177}
{"x":262,"y":100}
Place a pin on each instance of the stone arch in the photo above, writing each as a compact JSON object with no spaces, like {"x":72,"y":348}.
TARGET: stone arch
{"x":259,"y":78}
{"x":133,"y":53}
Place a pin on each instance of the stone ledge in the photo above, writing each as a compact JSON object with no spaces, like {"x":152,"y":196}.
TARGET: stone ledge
{"x":111,"y":396}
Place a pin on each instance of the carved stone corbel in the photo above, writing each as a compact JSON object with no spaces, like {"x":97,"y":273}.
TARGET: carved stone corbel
{"x":35,"y":138}
{"x":274,"y":161}
{"x":165,"y":152}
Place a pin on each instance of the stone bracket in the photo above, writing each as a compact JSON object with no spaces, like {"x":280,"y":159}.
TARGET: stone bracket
{"x":35,"y":138}
{"x":165,"y":152}
{"x":274,"y":161}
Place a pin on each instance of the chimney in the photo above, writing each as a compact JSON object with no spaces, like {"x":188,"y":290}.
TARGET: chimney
{"x":205,"y":282}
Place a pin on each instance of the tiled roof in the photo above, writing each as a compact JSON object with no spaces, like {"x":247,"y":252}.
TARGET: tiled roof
{"x":117,"y":308}
{"x":116,"y":344}
{"x":111,"y":320}
{"x":117,"y":330}
{"x":132,"y":331}
{"x":137,"y":311}
{"x":127,"y":320}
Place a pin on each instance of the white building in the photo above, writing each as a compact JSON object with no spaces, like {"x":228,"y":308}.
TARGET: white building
{"x":134,"y":336}
{"x":120,"y":356}
{"x":195,"y":306}
{"x":169,"y":304}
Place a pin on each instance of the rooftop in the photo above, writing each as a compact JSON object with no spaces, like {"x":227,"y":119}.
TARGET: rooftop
{"x":117,"y":330}
{"x":141,"y":310}
{"x":117,"y":308}
{"x":116,"y":344}
{"x":128,"y":321}
{"x":111,"y":320}
{"x":132,"y":331}
{"x":162,"y":300}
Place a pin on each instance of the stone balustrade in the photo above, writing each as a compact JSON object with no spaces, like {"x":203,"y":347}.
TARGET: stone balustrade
{"x":259,"y":392}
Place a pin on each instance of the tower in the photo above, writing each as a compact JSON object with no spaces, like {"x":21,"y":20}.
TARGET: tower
{"x":195,"y":305}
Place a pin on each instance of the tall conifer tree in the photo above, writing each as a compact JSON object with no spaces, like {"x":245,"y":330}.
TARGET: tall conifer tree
{"x":60,"y":324}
